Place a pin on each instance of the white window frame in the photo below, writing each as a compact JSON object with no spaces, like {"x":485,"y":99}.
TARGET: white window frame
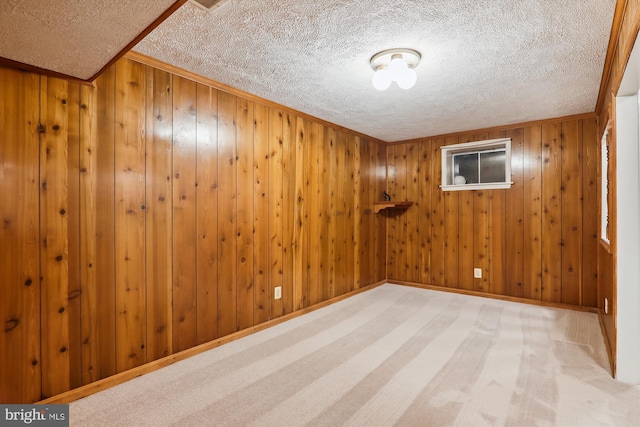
{"x":492,"y":145}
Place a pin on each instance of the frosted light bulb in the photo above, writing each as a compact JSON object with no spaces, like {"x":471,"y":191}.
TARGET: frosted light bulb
{"x":397,"y":68}
{"x":408,"y":79}
{"x":381,"y":79}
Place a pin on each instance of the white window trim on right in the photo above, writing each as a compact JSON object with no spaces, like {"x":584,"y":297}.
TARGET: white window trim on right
{"x":492,"y":145}
{"x":604,"y":187}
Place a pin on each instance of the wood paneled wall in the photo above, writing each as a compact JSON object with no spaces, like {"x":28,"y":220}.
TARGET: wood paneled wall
{"x":152,"y":213}
{"x":536,"y":240}
{"x":624,"y":34}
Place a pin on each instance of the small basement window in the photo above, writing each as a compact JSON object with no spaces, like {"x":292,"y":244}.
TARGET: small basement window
{"x":481,"y":165}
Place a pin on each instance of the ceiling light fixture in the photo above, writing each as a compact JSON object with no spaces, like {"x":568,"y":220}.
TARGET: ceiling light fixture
{"x":395,"y":65}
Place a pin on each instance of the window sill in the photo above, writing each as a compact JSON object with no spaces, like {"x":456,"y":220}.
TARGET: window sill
{"x":486,"y":186}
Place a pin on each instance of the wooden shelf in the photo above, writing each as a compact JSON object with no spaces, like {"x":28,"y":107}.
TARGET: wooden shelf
{"x":378,"y":206}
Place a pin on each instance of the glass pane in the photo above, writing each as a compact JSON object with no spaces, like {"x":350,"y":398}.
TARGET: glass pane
{"x":466,"y":166}
{"x":492,"y":166}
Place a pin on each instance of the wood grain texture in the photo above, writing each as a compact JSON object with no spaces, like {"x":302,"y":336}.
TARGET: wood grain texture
{"x":227,"y":220}
{"x":159,"y":227}
{"x":276,"y":210}
{"x":571,"y":143}
{"x":299,"y":247}
{"x":551,"y":213}
{"x":261,"y":243}
{"x":289,"y":168}
{"x":21,"y":367}
{"x":426,"y":182}
{"x":340,"y":206}
{"x":327,"y":238}
{"x":89,"y":355}
{"x":527,"y":240}
{"x":245,"y":295}
{"x":54,"y":205}
{"x":590,"y":149}
{"x":451,"y":225}
{"x":350,"y":248}
{"x":314,"y":193}
{"x":130,"y":216}
{"x":207,"y":265}
{"x":104,"y":315}
{"x":184,"y":214}
{"x":331,"y":202}
{"x":514,"y":218}
{"x":413,"y":213}
{"x":532,"y":163}
{"x":74,"y":289}
{"x":166,"y":212}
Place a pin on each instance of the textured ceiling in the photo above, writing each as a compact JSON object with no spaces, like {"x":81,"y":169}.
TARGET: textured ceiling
{"x":485,"y":62}
{"x":73,"y":37}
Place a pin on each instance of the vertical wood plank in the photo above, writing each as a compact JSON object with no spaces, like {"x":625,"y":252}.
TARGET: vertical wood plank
{"x":104,"y":344}
{"x":54,"y":207}
{"x":207,"y":213}
{"x":88,"y":234}
{"x":411,"y":215}
{"x":399,"y":218}
{"x":340,"y":215}
{"x":497,"y":238}
{"x":426,"y":181}
{"x":481,"y":238}
{"x":496,"y":258}
{"x":514,"y":218}
{"x":590,"y":243}
{"x":299,"y":250}
{"x":276,"y":211}
{"x":288,"y":217}
{"x":129,"y":216}
{"x":380,"y":220}
{"x":332,"y":158}
{"x":158,"y":208}
{"x":326,"y":179}
{"x":261,"y":246}
{"x":350,"y":216}
{"x":571,"y":211}
{"x":441,"y":220}
{"x":20,"y":381}
{"x":314,"y":195}
{"x":74,"y":216}
{"x":451,"y":224}
{"x":391,"y":223}
{"x":356,"y":208}
{"x":551,"y":213}
{"x":365,"y":227}
{"x":244,"y":215}
{"x":227,"y":179}
{"x":184,"y":214}
{"x":467,"y":234}
{"x":532,"y":163}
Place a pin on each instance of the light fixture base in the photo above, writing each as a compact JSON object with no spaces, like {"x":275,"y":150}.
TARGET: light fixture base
{"x":383,"y":59}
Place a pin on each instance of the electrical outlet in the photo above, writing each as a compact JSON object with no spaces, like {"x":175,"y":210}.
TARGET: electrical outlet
{"x":606,"y":306}
{"x":477,"y":273}
{"x":277,"y":292}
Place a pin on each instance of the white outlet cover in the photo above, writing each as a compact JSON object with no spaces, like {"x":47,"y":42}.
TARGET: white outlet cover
{"x":477,"y":273}
{"x":277,"y":292}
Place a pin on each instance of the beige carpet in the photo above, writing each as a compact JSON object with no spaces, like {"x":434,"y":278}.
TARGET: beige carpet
{"x":393,"y":355}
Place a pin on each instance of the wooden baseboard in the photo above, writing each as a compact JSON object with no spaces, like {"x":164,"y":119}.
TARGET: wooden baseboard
{"x":499,"y":297}
{"x":607,"y":344}
{"x":122,"y":377}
